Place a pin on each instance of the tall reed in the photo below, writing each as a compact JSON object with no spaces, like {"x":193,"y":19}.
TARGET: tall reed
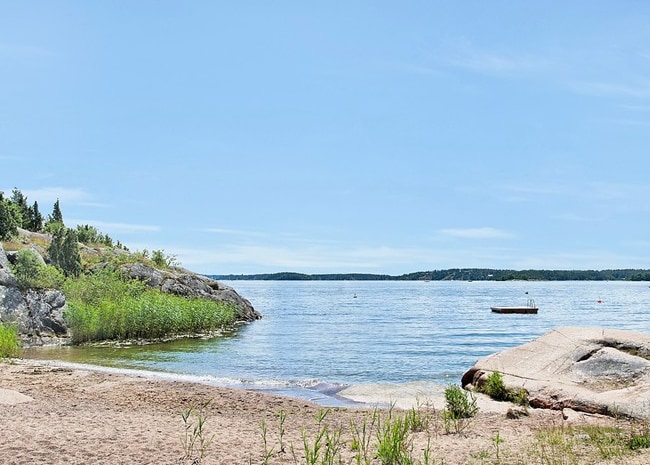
{"x":107,"y":307}
{"x":9,"y":341}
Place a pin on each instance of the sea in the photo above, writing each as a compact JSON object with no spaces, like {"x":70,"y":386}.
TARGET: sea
{"x":317,"y":338}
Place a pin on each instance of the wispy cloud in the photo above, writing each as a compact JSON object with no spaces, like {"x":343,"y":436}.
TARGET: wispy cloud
{"x":51,"y":194}
{"x":233,"y":232}
{"x":477,"y":233}
{"x":24,"y":50}
{"x":632,"y":122}
{"x":307,"y":258}
{"x":598,"y":190}
{"x":637,"y":90}
{"x":580,"y":218}
{"x":112,"y":228}
{"x":461,"y":53}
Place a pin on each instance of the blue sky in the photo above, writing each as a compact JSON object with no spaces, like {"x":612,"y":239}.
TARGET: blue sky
{"x":360,"y":136}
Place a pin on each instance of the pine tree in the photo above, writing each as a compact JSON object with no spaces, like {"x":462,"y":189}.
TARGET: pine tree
{"x":72,"y":258}
{"x":56,"y":216}
{"x":36,"y":219}
{"x":54,"y":221}
{"x":20,"y":201}
{"x":64,"y":251}
{"x":9,"y":219}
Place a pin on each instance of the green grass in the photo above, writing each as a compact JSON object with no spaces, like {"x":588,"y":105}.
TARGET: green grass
{"x":107,"y":307}
{"x":9,"y":341}
{"x":460,"y":408}
{"x":495,"y":387}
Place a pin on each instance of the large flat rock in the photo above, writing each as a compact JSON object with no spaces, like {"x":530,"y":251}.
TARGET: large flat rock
{"x":592,"y":370}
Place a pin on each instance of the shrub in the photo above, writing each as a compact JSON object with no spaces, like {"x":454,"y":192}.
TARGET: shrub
{"x":460,"y":408}
{"x":32,"y":273}
{"x":494,"y":386}
{"x":497,"y":390}
{"x":9,"y":341}
{"x":460,"y":403}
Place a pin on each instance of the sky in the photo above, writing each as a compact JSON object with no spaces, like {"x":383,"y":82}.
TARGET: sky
{"x":336,"y":137}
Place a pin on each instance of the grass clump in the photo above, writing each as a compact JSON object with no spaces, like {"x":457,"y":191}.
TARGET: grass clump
{"x":587,"y":444}
{"x":324,"y":448}
{"x":460,"y":408}
{"x":106,"y":306}
{"x":9,"y":341}
{"x":495,"y":387}
{"x":639,"y":439}
{"x":196,"y":441}
{"x":394,"y":445}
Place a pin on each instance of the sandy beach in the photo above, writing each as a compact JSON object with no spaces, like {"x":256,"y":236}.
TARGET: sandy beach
{"x":52,"y":414}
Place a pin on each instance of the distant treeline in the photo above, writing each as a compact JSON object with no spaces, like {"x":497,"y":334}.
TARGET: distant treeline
{"x":456,"y":274}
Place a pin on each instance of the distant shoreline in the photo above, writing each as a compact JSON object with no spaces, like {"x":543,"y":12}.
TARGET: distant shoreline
{"x":454,"y":274}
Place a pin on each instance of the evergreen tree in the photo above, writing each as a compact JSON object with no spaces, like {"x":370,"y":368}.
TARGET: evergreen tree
{"x":20,"y":201}
{"x":55,"y":220}
{"x":9,"y":219}
{"x":36,"y":219}
{"x":56,"y":216}
{"x":64,"y":251}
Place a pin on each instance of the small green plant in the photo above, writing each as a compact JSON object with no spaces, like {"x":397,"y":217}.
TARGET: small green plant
{"x":394,"y":446}
{"x":9,"y":341}
{"x":162,"y":260}
{"x":460,"y":407}
{"x":553,"y":446}
{"x":361,"y":437}
{"x":497,"y":440}
{"x":495,"y":387}
{"x":195,"y":440}
{"x":268,"y":451}
{"x":325,"y":448}
{"x":417,"y":418}
{"x":282,"y":417}
{"x":639,"y":440}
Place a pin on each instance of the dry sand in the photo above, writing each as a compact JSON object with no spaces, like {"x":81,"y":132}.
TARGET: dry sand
{"x":52,"y":414}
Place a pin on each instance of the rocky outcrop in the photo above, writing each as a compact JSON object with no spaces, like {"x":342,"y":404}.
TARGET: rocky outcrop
{"x":185,"y":283}
{"x":592,"y":370}
{"x":38,"y":313}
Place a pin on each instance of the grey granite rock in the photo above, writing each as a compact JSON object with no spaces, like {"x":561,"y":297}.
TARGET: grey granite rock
{"x":592,"y":370}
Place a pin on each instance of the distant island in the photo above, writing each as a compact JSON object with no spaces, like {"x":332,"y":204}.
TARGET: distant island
{"x":455,"y":274}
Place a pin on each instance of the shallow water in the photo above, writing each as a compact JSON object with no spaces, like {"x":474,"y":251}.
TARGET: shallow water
{"x":317,"y":337}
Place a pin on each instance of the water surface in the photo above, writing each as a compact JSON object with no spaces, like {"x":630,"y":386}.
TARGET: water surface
{"x":317,"y":336}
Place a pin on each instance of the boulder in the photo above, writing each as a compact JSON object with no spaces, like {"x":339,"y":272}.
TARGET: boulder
{"x":593,"y":370}
{"x":38,"y":313}
{"x":188,"y":284}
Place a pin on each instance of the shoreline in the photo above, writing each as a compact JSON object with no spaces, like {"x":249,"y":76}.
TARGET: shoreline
{"x":361,"y":396}
{"x":73,"y":415}
{"x":321,"y":392}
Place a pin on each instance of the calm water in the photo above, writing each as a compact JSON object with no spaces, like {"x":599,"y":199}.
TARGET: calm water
{"x":319,"y":336}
